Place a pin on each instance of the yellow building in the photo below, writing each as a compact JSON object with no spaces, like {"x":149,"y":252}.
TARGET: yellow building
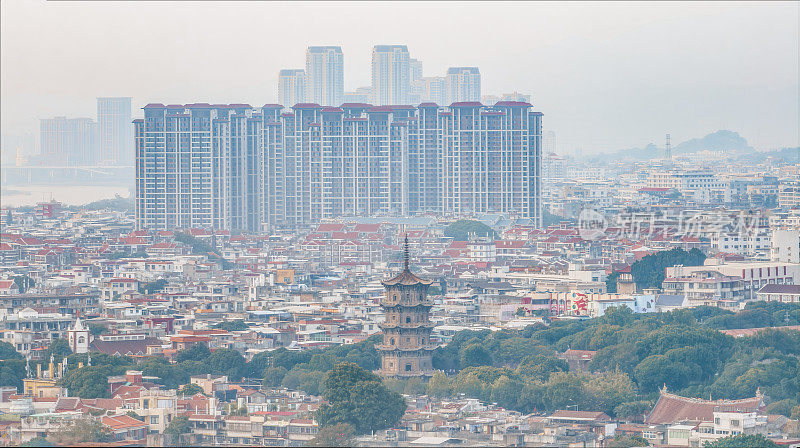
{"x":284,"y":277}
{"x":36,"y":387}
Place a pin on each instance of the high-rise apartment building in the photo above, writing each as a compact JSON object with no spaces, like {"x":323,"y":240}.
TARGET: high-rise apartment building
{"x":360,"y":95}
{"x":414,"y":70}
{"x":429,"y":90}
{"x":70,"y":141}
{"x":463,"y":84}
{"x":238,"y":167}
{"x":292,"y":87}
{"x":324,"y":75}
{"x":114,"y":121}
{"x":390,"y":74}
{"x":201,"y":165}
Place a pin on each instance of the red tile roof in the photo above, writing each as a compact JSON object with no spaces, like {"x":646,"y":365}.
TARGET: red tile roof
{"x":671,"y":408}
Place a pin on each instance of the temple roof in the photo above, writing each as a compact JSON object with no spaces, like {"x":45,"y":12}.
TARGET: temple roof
{"x":672,"y":408}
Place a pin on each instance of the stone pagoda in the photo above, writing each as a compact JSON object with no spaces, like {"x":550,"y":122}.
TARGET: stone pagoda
{"x":406,"y":350}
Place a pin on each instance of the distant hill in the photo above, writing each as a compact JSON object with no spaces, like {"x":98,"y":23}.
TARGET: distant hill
{"x":717,"y":141}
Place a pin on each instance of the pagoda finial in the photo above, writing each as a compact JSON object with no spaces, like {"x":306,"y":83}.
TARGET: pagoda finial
{"x":405,"y":258}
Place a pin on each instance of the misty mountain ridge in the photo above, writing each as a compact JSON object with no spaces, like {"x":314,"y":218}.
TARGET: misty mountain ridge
{"x":722,"y":140}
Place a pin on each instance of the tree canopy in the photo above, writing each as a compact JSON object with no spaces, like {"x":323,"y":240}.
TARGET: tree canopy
{"x":359,"y":398}
{"x":462,"y":229}
{"x":649,"y":271}
{"x":742,"y":441}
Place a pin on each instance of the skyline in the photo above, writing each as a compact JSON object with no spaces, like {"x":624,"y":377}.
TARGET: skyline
{"x":651,"y":73}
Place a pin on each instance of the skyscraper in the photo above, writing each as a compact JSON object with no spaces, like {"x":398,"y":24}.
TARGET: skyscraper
{"x":390,"y":75}
{"x":324,"y":75}
{"x":407,"y":350}
{"x":291,"y":87}
{"x":70,"y":141}
{"x":114,"y":121}
{"x":463,"y":84}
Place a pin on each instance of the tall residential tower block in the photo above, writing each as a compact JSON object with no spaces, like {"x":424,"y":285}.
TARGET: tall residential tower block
{"x":238,"y":167}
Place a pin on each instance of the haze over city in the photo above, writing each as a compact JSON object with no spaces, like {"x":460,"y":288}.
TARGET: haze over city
{"x":608,"y":76}
{"x":417,"y":224}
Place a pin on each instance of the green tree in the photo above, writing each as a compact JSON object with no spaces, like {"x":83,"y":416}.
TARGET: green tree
{"x":38,"y":442}
{"x":541,"y":366}
{"x":359,"y":398}
{"x":12,"y":371}
{"x":611,"y":282}
{"x":633,"y":410}
{"x":309,"y":381}
{"x":462,"y":229}
{"x":97,"y":329}
{"x":505,"y":392}
{"x":782,"y":407}
{"x":24,"y":283}
{"x":153,"y":287}
{"x":649,"y":271}
{"x":7,"y":351}
{"x":474,"y":355}
{"x":627,"y":441}
{"x":226,"y":361}
{"x":190,"y":389}
{"x":90,"y":382}
{"x":438,"y":386}
{"x":59,"y":349}
{"x":273,"y":377}
{"x":197,"y":352}
{"x":742,"y":441}
{"x":81,"y":431}
{"x":233,"y":325}
{"x":340,"y":434}
{"x":178,"y":425}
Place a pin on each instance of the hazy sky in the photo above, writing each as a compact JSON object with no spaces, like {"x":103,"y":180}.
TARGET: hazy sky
{"x":606,"y":76}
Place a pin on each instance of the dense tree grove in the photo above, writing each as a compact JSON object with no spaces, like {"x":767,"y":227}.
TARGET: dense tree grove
{"x":636,"y":354}
{"x":649,"y":271}
{"x":462,"y":229}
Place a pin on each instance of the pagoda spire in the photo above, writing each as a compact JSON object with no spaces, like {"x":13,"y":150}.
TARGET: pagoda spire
{"x":405,"y":257}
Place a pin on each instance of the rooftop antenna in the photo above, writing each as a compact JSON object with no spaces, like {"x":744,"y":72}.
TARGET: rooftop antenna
{"x":668,"y":149}
{"x":405,"y":258}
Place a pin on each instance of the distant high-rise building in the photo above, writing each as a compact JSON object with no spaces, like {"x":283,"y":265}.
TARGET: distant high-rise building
{"x":291,"y":87}
{"x":515,"y":96}
{"x":463,"y":84}
{"x":324,"y":75}
{"x":360,"y":95}
{"x":490,"y":100}
{"x":114,"y":121}
{"x":429,"y":90}
{"x":414,"y":70}
{"x":390,"y":75}
{"x":70,"y":141}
